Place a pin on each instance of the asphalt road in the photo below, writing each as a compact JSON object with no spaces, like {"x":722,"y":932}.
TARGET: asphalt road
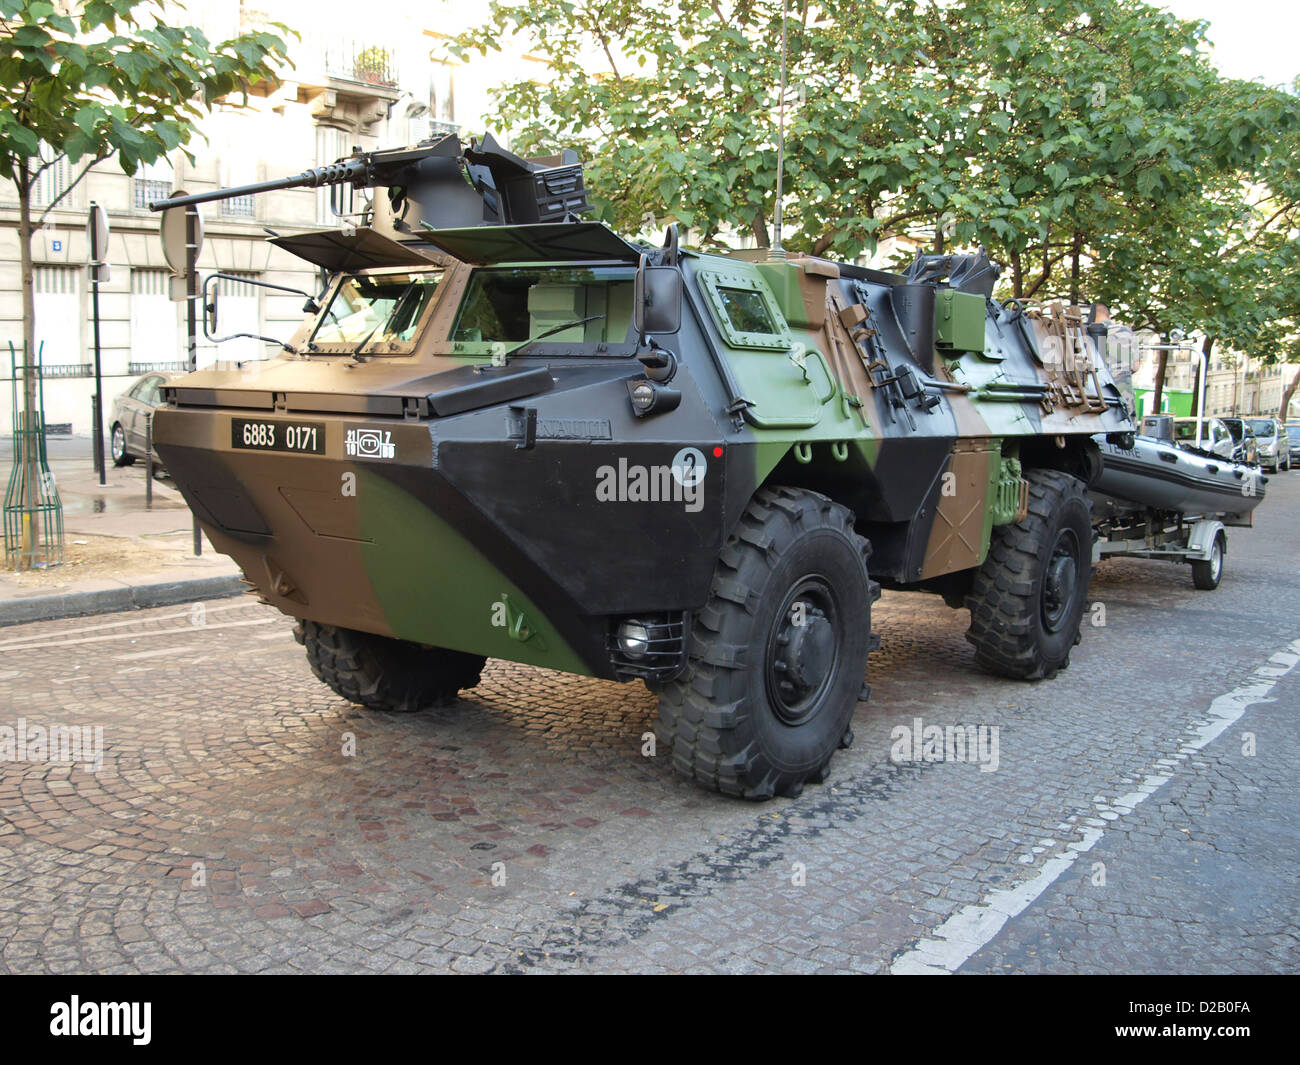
{"x":1140,"y":815}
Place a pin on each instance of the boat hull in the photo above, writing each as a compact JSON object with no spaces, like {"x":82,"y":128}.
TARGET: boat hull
{"x":1160,"y":475}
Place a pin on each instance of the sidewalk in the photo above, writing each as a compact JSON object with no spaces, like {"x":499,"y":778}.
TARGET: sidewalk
{"x":117,"y":554}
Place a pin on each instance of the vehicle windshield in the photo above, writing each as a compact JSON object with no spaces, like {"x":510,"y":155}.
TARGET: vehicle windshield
{"x":1187,"y":430}
{"x":1234,"y":427}
{"x":559,"y":308}
{"x":1262,"y":426}
{"x":374,"y":310}
{"x":1293,"y":431}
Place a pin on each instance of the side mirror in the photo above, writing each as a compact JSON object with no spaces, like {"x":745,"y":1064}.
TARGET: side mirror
{"x":657,"y":299}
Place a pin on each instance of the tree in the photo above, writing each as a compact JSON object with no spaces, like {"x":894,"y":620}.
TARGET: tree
{"x":676,"y":108}
{"x":1027,"y":128}
{"x":1087,"y":144}
{"x":1222,"y":258}
{"x":90,"y":79}
{"x":1272,"y":247}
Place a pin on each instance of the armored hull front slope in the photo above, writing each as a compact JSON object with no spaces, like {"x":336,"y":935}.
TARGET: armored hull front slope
{"x":543,"y":443}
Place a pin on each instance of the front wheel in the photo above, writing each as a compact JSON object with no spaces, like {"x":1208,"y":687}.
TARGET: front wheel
{"x":778,"y":654}
{"x":384,"y":673}
{"x":1027,"y":599}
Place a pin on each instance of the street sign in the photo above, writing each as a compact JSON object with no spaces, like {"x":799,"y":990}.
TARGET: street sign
{"x":97,"y":233}
{"x":173,"y":235}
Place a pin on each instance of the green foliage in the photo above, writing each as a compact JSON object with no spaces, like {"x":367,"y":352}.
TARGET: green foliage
{"x":680,"y":121}
{"x":1088,"y":144}
{"x":112,"y":78}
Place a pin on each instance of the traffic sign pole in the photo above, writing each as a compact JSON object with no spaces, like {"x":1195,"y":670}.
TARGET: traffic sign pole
{"x":192,"y":239}
{"x":182,"y":237}
{"x":97,"y":230}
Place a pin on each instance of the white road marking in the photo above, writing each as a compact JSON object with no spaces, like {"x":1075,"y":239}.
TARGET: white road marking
{"x":180,"y":630}
{"x":153,"y":654}
{"x":53,"y":636}
{"x":972,"y":927}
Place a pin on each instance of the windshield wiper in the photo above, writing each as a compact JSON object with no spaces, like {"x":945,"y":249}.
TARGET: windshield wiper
{"x":391,"y":314}
{"x":550,"y":332}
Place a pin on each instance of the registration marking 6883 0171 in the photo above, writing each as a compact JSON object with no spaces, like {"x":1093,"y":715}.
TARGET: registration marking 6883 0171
{"x":251,"y":434}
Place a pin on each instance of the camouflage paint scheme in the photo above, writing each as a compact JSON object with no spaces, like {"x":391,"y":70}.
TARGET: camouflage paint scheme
{"x":482,"y":531}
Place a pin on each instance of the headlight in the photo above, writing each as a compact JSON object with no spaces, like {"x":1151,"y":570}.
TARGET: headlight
{"x":633,"y":639}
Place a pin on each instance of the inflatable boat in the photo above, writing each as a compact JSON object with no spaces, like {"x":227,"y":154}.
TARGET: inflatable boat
{"x":1161,"y":475}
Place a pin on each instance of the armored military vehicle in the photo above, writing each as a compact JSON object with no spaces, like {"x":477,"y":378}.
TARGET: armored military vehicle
{"x":503,"y":431}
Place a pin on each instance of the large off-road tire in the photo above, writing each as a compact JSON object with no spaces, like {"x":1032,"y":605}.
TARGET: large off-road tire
{"x":1027,"y":599}
{"x":765,"y":700}
{"x":1206,"y":573}
{"x":385,"y":673}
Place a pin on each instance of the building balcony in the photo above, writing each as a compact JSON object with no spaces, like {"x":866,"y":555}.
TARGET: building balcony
{"x":368,"y":64}
{"x":349,"y":84}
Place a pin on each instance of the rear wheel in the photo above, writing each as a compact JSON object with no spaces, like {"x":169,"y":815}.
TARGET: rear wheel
{"x":1206,"y":573}
{"x":778,"y":654}
{"x":1027,"y":599}
{"x":117,"y":446}
{"x":384,"y":673}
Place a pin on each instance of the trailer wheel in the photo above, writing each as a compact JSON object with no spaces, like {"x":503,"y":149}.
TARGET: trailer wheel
{"x":385,"y":673}
{"x":1206,"y":573}
{"x":778,"y":653}
{"x":1027,"y":599}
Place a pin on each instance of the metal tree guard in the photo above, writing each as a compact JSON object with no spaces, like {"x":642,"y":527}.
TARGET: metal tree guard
{"x":33,"y":522}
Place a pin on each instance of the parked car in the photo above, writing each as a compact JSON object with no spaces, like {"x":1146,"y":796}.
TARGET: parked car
{"x":1216,"y":439}
{"x":1274,"y":444}
{"x":1293,"y":432}
{"x":129,"y":417}
{"x":1247,"y":449}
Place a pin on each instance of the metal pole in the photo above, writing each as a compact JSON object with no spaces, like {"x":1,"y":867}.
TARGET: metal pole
{"x":778,"y":221}
{"x":1200,"y":402}
{"x":191,"y":317}
{"x":96,"y":444}
{"x":148,"y":461}
{"x":99,"y":382}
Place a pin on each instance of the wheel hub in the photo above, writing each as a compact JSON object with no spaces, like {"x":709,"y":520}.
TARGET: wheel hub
{"x":1060,"y":582}
{"x":809,"y":653}
{"x":803,"y":653}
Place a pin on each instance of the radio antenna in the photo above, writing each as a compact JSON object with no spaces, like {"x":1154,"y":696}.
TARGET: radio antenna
{"x":778,"y":252}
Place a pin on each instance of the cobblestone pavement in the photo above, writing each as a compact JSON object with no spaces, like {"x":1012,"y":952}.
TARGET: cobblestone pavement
{"x":232,"y":827}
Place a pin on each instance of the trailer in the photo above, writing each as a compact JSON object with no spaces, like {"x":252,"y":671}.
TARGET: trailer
{"x":1131,"y":531}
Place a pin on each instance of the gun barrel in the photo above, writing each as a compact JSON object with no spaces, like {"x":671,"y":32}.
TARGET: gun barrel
{"x":354,"y":170}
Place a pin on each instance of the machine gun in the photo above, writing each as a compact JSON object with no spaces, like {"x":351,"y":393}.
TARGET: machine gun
{"x":438,"y":184}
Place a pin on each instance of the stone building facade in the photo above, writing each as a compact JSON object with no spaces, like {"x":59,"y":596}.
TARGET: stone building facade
{"x":372,"y":82}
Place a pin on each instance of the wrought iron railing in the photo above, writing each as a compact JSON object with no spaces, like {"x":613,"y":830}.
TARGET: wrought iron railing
{"x":238,"y":207}
{"x":357,"y":61}
{"x":133,"y":369}
{"x":149,"y":190}
{"x":68,"y":369}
